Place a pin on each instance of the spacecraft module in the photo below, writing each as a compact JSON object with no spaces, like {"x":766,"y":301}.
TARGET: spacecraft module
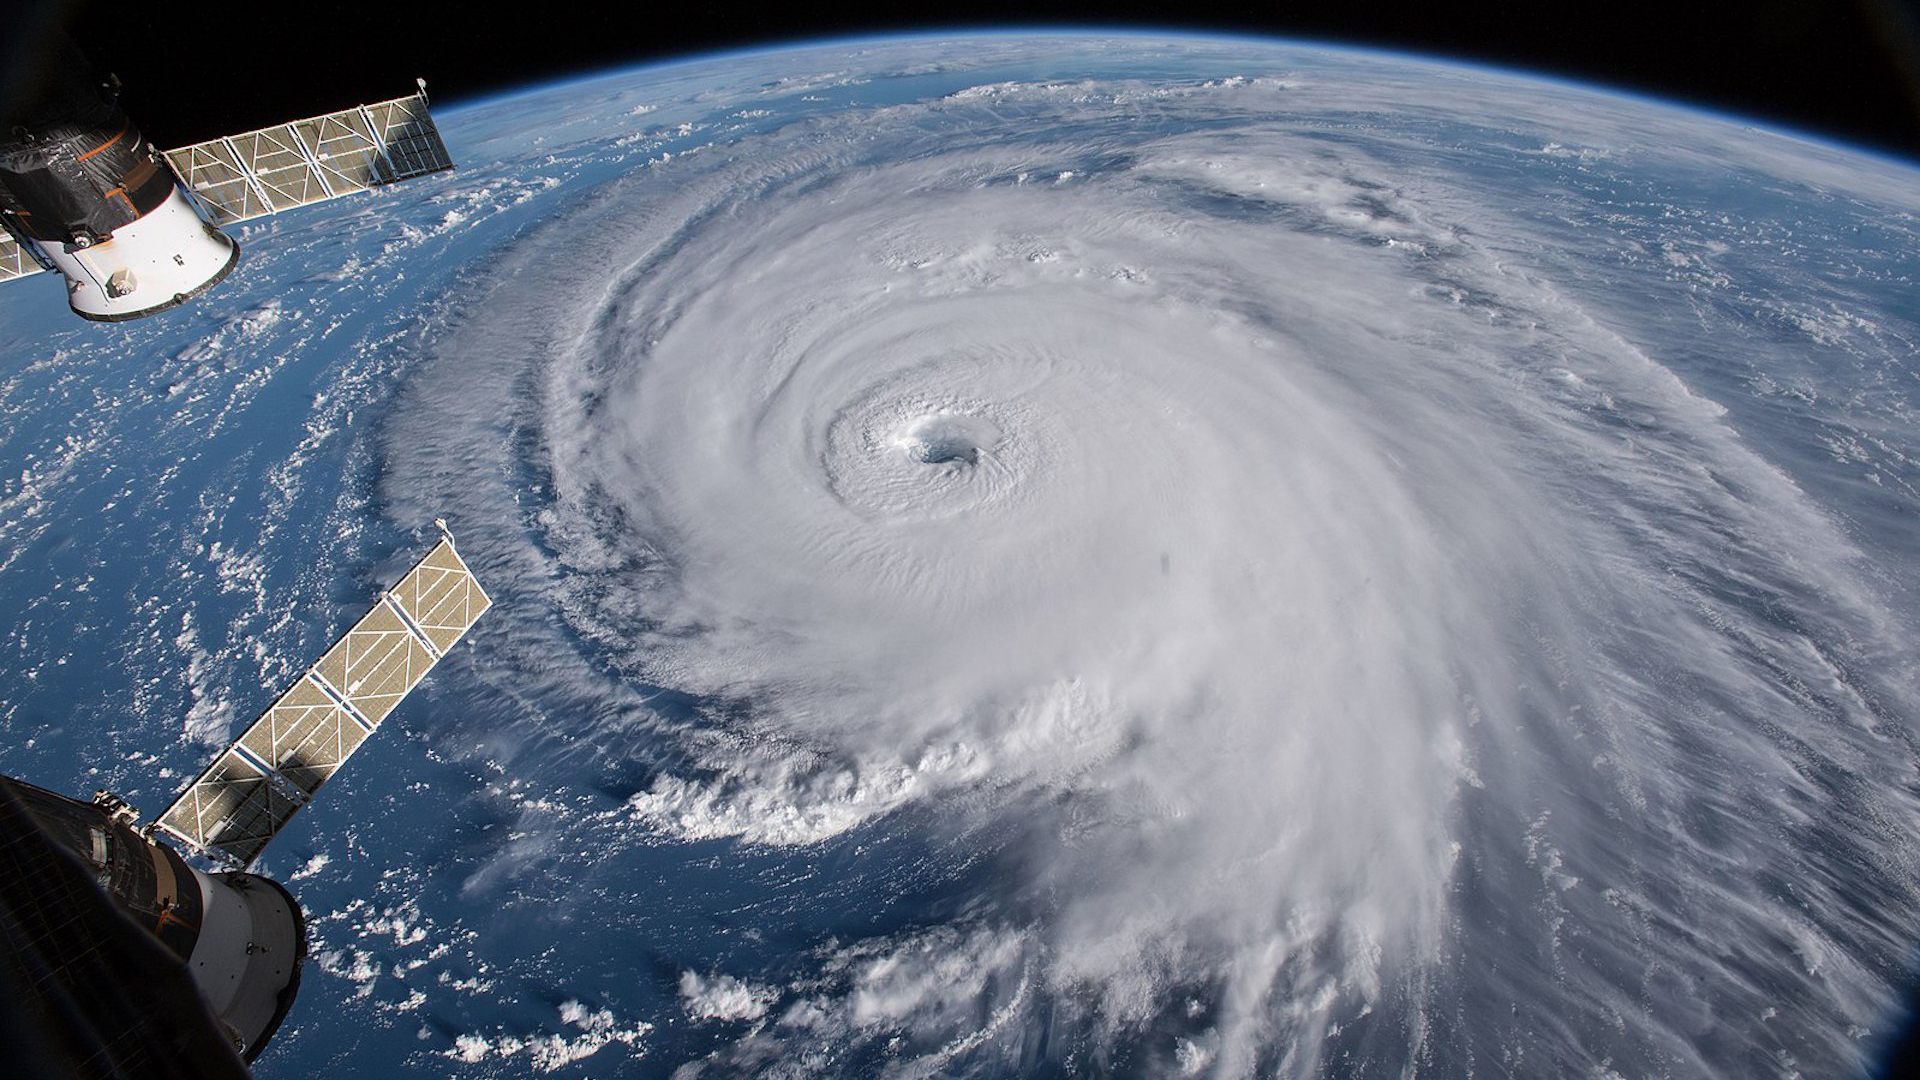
{"x":135,"y":230}
{"x":118,"y":956}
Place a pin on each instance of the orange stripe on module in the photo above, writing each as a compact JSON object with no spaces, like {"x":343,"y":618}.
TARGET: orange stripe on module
{"x":122,"y":192}
{"x":104,"y":145}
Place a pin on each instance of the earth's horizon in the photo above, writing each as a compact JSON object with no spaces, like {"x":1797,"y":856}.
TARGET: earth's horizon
{"x":1600,"y":86}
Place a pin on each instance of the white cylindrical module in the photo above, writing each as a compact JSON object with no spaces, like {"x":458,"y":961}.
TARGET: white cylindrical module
{"x":82,"y":187}
{"x":248,"y":955}
{"x":151,"y":264}
{"x":232,"y":943}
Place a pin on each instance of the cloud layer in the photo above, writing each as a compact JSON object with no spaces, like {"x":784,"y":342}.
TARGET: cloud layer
{"x":1339,"y":626}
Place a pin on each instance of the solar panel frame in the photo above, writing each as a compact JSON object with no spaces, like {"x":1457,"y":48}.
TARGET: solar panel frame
{"x":232,"y":810}
{"x":376,"y":664}
{"x":236,"y":806}
{"x":255,"y":173}
{"x":218,"y":179}
{"x":441,"y":597}
{"x":306,"y":735}
{"x":410,"y":140}
{"x":14,"y":260}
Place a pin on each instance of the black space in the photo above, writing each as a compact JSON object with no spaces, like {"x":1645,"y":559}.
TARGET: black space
{"x":1845,"y":69}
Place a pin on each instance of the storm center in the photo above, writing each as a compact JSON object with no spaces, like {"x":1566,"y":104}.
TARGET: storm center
{"x":947,"y":438}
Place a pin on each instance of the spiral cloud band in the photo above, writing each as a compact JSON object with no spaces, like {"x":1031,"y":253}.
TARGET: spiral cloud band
{"x":1310,"y":593}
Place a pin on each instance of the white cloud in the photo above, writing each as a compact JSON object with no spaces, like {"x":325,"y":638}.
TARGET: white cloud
{"x":723,"y":997}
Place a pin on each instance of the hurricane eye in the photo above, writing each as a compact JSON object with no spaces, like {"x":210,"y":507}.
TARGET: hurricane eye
{"x":947,"y":439}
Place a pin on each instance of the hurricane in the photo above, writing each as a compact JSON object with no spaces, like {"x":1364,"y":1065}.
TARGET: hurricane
{"x":1214,"y":560}
{"x":1321,"y":626}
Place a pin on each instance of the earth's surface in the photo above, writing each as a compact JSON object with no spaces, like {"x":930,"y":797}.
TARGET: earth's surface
{"x":1026,"y":556}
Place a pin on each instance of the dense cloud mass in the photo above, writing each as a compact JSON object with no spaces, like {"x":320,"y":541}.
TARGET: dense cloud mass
{"x":1125,"y":558}
{"x":1347,"y":641}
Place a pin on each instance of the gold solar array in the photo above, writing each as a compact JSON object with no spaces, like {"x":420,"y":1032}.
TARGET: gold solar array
{"x":256,"y":785}
{"x":14,"y":260}
{"x":254,"y":173}
{"x":243,"y":176}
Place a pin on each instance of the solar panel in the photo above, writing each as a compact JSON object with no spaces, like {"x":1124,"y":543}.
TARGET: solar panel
{"x":379,"y":662}
{"x":440,"y":597}
{"x":409,"y":138}
{"x":305,"y":735}
{"x":256,"y":785}
{"x":14,"y":260}
{"x":232,"y":810}
{"x":244,"y":176}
